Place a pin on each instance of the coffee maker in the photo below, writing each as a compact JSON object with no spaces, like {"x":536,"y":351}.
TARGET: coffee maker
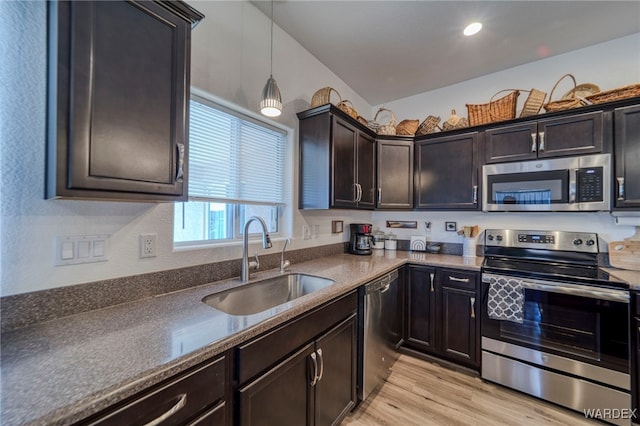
{"x":360,"y":241}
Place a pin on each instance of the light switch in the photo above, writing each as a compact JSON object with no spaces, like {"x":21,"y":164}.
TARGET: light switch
{"x":67,"y":251}
{"x":84,"y":249}
{"x":98,"y":248}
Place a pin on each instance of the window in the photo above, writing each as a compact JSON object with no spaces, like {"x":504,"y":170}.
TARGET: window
{"x":236,"y":170}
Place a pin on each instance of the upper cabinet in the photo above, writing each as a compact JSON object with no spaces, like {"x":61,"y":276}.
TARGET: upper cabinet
{"x":446,"y":172}
{"x":395,"y":174}
{"x":337,"y":161}
{"x":118,"y":100}
{"x":577,"y":134}
{"x":627,"y":157}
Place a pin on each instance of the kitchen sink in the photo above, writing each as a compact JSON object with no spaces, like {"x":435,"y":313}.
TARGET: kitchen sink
{"x":265,"y":294}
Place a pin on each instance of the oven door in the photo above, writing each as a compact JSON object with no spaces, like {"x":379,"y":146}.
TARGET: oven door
{"x":576,"y":322}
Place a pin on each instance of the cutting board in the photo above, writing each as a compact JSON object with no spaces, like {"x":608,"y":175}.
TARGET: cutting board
{"x":625,"y":254}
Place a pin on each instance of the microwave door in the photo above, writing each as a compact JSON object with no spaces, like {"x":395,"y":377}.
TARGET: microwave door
{"x":530,"y":191}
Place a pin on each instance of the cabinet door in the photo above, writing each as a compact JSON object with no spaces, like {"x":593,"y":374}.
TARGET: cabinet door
{"x":458,"y":317}
{"x":344,"y":164}
{"x":395,"y":174}
{"x":366,"y":171}
{"x":446,"y":174}
{"x":573,"y":135}
{"x":282,"y":395}
{"x":511,"y":143}
{"x":119,"y":123}
{"x":627,"y":157}
{"x":420,"y":308}
{"x":335,"y":391}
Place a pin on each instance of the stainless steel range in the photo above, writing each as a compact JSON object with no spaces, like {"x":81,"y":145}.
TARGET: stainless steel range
{"x":553,"y":324}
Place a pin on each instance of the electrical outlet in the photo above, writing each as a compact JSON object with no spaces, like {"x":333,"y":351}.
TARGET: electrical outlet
{"x":306,"y":232}
{"x":148,"y":245}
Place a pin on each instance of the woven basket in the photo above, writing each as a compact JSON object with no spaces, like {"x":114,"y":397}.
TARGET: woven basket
{"x":500,"y":109}
{"x":362,"y":120}
{"x":613,"y":95}
{"x":571,"y":100}
{"x":347,"y":107}
{"x":429,"y":125}
{"x":385,"y":129}
{"x":534,"y":102}
{"x":407,"y":127}
{"x":455,"y":122}
{"x":323,"y":96}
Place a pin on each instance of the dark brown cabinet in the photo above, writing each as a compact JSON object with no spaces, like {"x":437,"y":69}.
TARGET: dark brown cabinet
{"x":627,"y":157}
{"x":395,"y":174}
{"x":314,"y":383}
{"x":337,"y":161}
{"x":577,"y":134}
{"x":447,"y":172}
{"x":442,"y":317}
{"x":118,"y":104}
{"x":196,"y":397}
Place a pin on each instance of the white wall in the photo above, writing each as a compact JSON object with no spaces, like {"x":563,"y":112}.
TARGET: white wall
{"x":230,"y":60}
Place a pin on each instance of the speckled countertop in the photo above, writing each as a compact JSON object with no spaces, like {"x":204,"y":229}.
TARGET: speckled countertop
{"x":62,"y":371}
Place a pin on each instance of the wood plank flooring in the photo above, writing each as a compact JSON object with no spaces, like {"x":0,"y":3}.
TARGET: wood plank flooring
{"x":419,"y":392}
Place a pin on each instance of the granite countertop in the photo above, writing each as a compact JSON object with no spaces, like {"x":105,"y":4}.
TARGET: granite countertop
{"x":62,"y":371}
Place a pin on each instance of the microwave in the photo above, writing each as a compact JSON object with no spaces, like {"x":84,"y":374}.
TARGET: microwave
{"x":561,"y":184}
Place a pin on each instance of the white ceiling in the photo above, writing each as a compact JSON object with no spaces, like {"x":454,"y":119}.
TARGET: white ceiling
{"x":387,"y":50}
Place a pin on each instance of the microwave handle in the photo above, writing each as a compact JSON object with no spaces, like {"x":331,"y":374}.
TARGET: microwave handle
{"x":573,"y":175}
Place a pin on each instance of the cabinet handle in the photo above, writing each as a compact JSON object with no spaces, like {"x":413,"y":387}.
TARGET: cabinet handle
{"x":462,"y":280}
{"x":379,"y":195}
{"x":177,"y":407}
{"x":533,"y":142}
{"x":359,"y":192}
{"x":541,"y":135}
{"x":315,"y":370}
{"x":321,"y":365}
{"x":473,"y":307}
{"x":475,"y":194}
{"x":431,"y":276}
{"x":620,"y":188}
{"x":180,"y":172}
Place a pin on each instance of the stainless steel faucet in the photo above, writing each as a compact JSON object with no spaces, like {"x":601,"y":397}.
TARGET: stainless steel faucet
{"x":245,"y":274}
{"x":284,"y":263}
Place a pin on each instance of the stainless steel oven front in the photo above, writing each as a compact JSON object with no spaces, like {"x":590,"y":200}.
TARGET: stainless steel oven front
{"x":571,"y":346}
{"x":562,"y":184}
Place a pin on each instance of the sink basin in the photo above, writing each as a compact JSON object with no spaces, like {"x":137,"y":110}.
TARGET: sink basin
{"x":266,"y":294}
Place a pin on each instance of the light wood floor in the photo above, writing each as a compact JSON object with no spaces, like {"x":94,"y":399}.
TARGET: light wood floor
{"x":419,"y":392}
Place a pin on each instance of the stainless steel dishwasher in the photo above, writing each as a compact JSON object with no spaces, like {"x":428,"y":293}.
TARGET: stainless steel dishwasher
{"x":380,"y":331}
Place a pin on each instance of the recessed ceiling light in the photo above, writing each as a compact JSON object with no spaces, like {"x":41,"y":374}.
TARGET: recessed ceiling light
{"x":472,"y":29}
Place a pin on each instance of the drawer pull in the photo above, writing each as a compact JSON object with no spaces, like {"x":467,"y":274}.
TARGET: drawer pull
{"x":182,"y":401}
{"x":315,"y":369}
{"x":321,"y":364}
{"x":473,"y":307}
{"x":462,"y":280}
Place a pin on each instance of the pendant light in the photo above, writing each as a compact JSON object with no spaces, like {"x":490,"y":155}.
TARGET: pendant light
{"x":271,"y":103}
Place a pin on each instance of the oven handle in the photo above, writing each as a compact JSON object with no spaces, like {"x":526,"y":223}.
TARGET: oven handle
{"x":571,"y":289}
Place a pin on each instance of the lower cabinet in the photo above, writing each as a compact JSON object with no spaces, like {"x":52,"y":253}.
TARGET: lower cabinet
{"x":442,"y":315}
{"x":314,"y":383}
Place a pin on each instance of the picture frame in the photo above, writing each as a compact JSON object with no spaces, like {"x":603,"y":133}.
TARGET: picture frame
{"x":337,"y":226}
{"x":450,"y":226}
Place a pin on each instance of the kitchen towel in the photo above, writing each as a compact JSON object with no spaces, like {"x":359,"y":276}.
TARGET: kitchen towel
{"x":506,"y":299}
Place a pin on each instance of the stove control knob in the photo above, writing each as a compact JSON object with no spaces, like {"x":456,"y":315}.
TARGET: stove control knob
{"x":577,"y":242}
{"x":490,"y":237}
{"x":499,"y":238}
{"x":590,"y":242}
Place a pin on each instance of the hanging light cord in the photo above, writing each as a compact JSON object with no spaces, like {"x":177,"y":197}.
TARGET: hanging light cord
{"x":271,"y":57}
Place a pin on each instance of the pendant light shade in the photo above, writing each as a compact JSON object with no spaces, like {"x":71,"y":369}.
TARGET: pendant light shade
{"x":271,"y":103}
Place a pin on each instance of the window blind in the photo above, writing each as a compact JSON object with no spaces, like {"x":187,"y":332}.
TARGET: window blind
{"x":234,"y":158}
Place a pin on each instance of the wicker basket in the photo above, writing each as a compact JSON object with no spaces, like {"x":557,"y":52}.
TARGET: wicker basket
{"x":347,"y":107}
{"x":407,"y":127}
{"x":613,"y":95}
{"x":500,"y":109}
{"x":571,"y":99}
{"x":455,"y":122}
{"x":323,"y":96}
{"x":385,"y":129}
{"x":534,"y":102}
{"x":362,"y":120}
{"x":429,"y":125}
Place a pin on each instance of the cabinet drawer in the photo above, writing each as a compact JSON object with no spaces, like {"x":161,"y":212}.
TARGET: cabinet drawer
{"x":263,"y":352}
{"x":177,"y":401}
{"x":456,"y":278}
